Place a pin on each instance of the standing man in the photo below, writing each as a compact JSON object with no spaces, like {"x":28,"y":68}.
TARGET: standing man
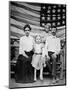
{"x":47,"y":29}
{"x":53,"y":50}
{"x":24,"y":70}
{"x":47,"y":34}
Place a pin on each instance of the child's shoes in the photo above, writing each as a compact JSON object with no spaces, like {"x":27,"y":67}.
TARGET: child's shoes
{"x":41,"y":78}
{"x":35,"y":79}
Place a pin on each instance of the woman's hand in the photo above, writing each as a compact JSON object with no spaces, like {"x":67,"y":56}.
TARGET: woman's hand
{"x":25,"y":55}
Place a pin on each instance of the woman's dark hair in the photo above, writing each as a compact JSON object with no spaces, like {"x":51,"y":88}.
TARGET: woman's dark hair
{"x":27,"y":25}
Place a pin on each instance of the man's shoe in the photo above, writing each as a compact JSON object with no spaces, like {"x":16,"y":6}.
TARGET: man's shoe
{"x":54,"y":81}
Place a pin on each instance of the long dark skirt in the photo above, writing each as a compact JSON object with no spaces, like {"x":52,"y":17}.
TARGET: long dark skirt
{"x":24,"y":70}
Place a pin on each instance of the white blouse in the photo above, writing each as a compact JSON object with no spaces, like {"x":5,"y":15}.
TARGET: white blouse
{"x":26,"y":44}
{"x":53,"y":44}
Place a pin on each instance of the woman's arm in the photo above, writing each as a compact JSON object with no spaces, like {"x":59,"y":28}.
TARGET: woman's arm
{"x":21,"y":50}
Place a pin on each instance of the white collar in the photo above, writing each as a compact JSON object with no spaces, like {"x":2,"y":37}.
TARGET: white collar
{"x":53,"y":36}
{"x":28,"y":36}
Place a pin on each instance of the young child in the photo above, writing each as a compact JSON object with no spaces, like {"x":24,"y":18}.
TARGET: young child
{"x":38,"y":60}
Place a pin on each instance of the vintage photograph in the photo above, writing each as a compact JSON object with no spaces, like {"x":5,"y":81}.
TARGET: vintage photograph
{"x":37,"y":35}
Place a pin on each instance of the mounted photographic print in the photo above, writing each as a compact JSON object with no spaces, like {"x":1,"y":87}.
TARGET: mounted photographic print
{"x":37,"y":34}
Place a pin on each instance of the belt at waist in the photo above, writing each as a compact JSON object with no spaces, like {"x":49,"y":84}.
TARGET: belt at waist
{"x":38,"y":53}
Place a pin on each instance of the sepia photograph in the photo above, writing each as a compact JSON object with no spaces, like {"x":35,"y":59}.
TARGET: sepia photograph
{"x":37,"y":44}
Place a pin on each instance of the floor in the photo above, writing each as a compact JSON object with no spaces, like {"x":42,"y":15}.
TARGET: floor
{"x":46,"y":82}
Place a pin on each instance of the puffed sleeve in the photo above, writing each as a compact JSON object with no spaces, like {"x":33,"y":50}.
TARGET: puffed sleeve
{"x":21,"y":46}
{"x":33,"y":40}
{"x":58,"y":46}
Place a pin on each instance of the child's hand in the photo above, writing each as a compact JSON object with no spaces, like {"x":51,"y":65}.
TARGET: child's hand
{"x":44,"y":65}
{"x":43,"y":58}
{"x":43,"y":61}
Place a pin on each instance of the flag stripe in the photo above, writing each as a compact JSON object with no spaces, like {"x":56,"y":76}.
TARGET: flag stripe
{"x":25,"y":11}
{"x":25,"y":20}
{"x":15,"y":22}
{"x":33,"y":7}
{"x":22,"y":15}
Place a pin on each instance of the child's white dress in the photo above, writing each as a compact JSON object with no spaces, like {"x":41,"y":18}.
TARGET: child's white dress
{"x":37,"y":61}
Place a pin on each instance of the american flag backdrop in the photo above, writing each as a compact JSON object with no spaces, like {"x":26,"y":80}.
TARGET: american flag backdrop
{"x":54,"y":14}
{"x":37,"y":15}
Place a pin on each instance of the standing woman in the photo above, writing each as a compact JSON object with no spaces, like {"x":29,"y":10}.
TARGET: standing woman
{"x":24,"y":69}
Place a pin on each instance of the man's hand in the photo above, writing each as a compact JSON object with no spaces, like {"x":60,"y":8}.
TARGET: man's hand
{"x":48,"y":57}
{"x":54,"y":55}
